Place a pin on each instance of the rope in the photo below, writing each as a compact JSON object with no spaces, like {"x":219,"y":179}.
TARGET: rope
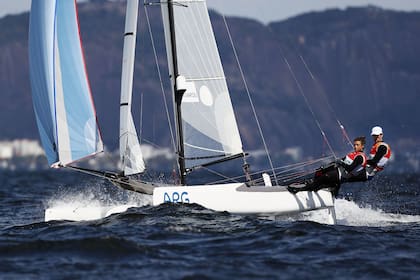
{"x":308,"y":105}
{"x":221,"y":175}
{"x":343,"y":130}
{"x":152,"y":143}
{"x":102,"y":176}
{"x":160,"y":78}
{"x":141,"y":117}
{"x":302,"y":164}
{"x":285,"y":178}
{"x":291,"y":177}
{"x":287,"y":168}
{"x":176,"y":165}
{"x":249,"y":98}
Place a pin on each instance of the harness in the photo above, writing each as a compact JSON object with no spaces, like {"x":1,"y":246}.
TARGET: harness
{"x":350,"y":157}
{"x":384,"y":159}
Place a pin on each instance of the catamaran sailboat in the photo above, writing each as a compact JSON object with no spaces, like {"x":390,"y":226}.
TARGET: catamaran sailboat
{"x":206,"y":128}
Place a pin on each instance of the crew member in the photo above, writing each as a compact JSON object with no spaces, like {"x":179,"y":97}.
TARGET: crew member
{"x":351,"y":168}
{"x":379,"y":154}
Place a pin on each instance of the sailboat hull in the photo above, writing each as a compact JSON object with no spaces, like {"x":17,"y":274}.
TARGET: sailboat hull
{"x":240,"y":199}
{"x":83,"y":213}
{"x":233,"y":198}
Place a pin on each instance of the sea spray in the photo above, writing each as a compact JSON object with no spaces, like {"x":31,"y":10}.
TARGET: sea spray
{"x":90,"y":202}
{"x":349,"y":213}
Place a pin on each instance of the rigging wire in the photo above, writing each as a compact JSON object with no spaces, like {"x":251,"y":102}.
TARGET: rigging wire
{"x":141,"y":117}
{"x":293,"y":178}
{"x":309,"y":105}
{"x":160,"y":77}
{"x":343,"y":130}
{"x":103,"y":176}
{"x":152,"y":143}
{"x":161,"y":86}
{"x":289,"y":177}
{"x":273,"y":170}
{"x":224,"y":176}
{"x":285,"y":169}
{"x":249,"y":98}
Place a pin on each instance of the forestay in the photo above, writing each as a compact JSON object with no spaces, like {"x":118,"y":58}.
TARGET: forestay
{"x":62,"y":99}
{"x":209,"y":126}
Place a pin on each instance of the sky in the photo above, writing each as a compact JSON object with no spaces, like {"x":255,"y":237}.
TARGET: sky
{"x":262,"y":10}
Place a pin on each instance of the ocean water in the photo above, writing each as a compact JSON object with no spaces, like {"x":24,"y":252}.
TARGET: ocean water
{"x":377,"y":235}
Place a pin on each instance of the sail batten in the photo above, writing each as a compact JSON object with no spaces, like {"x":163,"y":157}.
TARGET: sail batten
{"x":61,"y":93}
{"x":192,"y":79}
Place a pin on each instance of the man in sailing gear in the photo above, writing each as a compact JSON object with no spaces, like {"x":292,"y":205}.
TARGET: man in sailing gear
{"x":350,"y":168}
{"x":379,"y":154}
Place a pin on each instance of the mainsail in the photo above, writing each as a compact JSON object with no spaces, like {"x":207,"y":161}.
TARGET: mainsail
{"x":130,"y":153}
{"x":209,"y":129}
{"x":61,"y":94}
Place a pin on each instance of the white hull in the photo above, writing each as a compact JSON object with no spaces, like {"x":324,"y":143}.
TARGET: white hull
{"x":87,"y":213}
{"x":233,"y":198}
{"x":240,"y":199}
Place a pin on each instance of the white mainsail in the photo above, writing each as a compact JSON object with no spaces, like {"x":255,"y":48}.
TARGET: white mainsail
{"x":130,"y":152}
{"x":209,"y":126}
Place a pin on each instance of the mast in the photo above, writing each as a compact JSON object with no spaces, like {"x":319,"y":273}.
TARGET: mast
{"x":178,"y":93}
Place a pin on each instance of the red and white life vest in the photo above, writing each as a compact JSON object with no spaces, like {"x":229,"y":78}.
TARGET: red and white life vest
{"x":350,"y":157}
{"x":384,"y":159}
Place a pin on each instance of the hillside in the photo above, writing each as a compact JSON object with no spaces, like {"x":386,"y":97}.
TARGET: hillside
{"x":364,"y":61}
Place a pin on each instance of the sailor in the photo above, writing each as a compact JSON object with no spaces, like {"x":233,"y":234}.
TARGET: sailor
{"x":379,"y":154}
{"x":351,"y":168}
{"x":354,"y":163}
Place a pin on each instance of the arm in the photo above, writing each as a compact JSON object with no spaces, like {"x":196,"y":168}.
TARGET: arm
{"x":340,"y":161}
{"x":357,"y":161}
{"x":379,"y":154}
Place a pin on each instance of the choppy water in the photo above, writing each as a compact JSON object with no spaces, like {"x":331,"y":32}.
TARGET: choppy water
{"x":377,"y":236}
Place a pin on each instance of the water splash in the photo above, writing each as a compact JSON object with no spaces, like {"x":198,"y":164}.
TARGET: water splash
{"x":91,"y":198}
{"x":351,"y":214}
{"x":91,"y":203}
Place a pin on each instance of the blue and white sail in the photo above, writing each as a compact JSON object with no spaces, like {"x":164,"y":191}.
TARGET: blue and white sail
{"x":130,"y":152}
{"x":209,"y":127}
{"x":61,"y":93}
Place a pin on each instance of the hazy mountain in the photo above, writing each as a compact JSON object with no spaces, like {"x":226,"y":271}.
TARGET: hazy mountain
{"x":364,"y":62}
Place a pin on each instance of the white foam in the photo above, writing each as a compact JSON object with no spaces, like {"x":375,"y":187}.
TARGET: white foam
{"x":351,"y":214}
{"x":91,"y":206}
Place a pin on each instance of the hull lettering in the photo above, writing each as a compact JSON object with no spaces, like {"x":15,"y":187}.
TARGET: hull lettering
{"x":176,"y":197}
